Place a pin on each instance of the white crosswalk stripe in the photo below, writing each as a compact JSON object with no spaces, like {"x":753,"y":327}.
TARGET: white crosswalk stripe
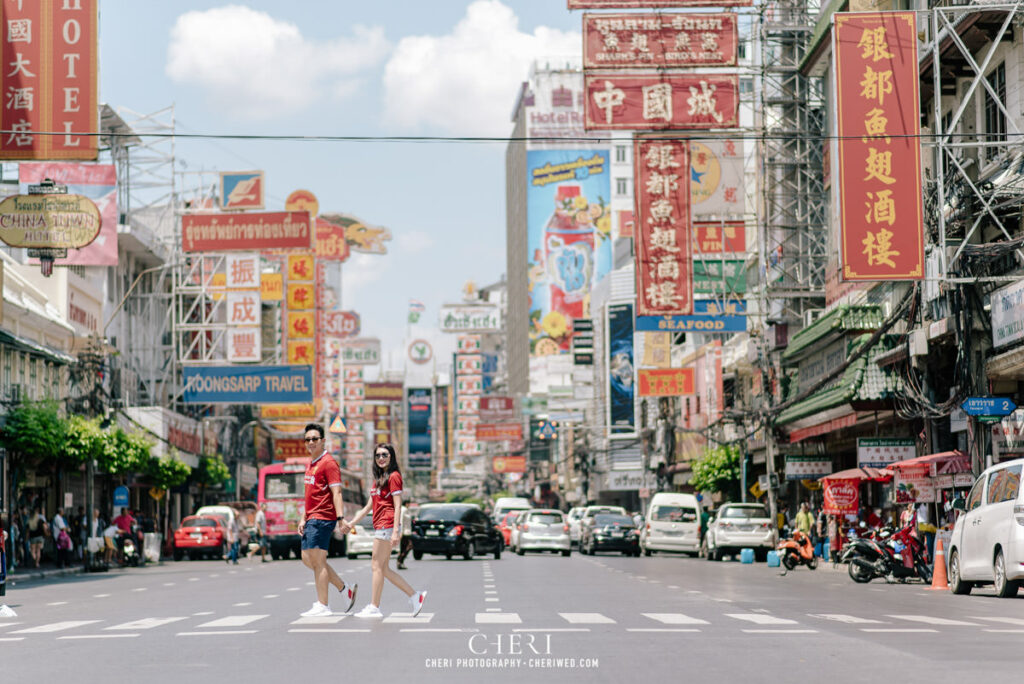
{"x":1004,"y":620}
{"x":498,"y":618}
{"x":848,"y":619}
{"x":55,"y":627}
{"x":761,"y":619}
{"x":587,"y":619}
{"x":675,"y":619}
{"x":327,"y":620}
{"x":146,"y":623}
{"x":930,"y":620}
{"x":233,"y":621}
{"x":407,"y":618}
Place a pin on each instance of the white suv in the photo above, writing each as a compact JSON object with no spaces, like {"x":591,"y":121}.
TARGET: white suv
{"x":987,"y":545}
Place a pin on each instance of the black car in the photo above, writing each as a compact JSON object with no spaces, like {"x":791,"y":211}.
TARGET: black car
{"x":607,"y":532}
{"x":450,"y":529}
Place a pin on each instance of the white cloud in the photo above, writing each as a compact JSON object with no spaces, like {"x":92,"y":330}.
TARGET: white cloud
{"x":358,"y":273}
{"x":254,"y":66}
{"x":466,"y":82}
{"x":414,"y":241}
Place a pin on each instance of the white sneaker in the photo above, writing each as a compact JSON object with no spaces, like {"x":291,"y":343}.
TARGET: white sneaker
{"x":318,"y":610}
{"x":370,"y":611}
{"x":349,"y":595}
{"x":416,"y":602}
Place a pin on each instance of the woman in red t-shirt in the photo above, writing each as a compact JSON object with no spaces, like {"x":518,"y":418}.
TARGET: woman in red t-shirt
{"x":385,"y":499}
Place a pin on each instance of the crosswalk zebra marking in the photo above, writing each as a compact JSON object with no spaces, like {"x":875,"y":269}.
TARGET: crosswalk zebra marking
{"x":325,"y":620}
{"x":760,"y":619}
{"x":232,"y":621}
{"x":498,"y":619}
{"x":848,"y":619}
{"x":1004,"y":620}
{"x":145,"y":623}
{"x":55,"y":627}
{"x":675,"y":619}
{"x":587,"y":619}
{"x":409,"y":618}
{"x":931,"y":620}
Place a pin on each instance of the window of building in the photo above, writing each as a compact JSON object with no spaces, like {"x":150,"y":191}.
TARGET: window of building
{"x":621,"y":186}
{"x":22,"y":370}
{"x":6,"y":354}
{"x":620,"y":154}
{"x":995,"y":120}
{"x":33,"y":378}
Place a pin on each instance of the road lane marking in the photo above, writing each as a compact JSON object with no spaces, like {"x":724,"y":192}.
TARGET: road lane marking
{"x":1004,"y":631}
{"x":140,"y":589}
{"x":98,"y":636}
{"x":242,"y":604}
{"x":490,"y":591}
{"x":408,"y":618}
{"x":929,"y":620}
{"x":193,"y":579}
{"x":848,"y":619}
{"x":294,"y":589}
{"x":232,"y":621}
{"x":898,"y":630}
{"x":439,"y":629}
{"x":672,"y":586}
{"x":587,"y":619}
{"x":492,"y":600}
{"x":498,"y":618}
{"x":661,"y":629}
{"x":551,"y":629}
{"x":1006,"y":620}
{"x":322,"y":620}
{"x":100,"y":595}
{"x":780,"y":631}
{"x":146,"y":623}
{"x":57,"y":603}
{"x":12,"y":638}
{"x":327,"y":630}
{"x":675,"y":619}
{"x":270,"y":596}
{"x":759,"y":619}
{"x":168,"y":584}
{"x":55,"y":627}
{"x":8,"y":624}
{"x":205,"y":612}
{"x":218,"y":632}
{"x":494,"y":610}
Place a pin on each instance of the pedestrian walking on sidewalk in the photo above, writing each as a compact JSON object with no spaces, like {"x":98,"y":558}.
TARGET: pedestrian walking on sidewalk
{"x":385,"y":499}
{"x":233,"y":534}
{"x":324,"y":509}
{"x":260,"y":522}
{"x":37,"y":528}
{"x":406,"y":537}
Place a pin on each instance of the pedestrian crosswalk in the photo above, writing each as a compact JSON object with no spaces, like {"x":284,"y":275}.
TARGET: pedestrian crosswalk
{"x":456,"y":619}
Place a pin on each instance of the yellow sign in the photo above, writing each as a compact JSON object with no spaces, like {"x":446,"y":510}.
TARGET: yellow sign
{"x":301,"y":296}
{"x":49,"y":221}
{"x":302,"y":200}
{"x":156,"y":493}
{"x":218,"y":283}
{"x":301,"y":324}
{"x":813,"y":485}
{"x":756,"y":490}
{"x":302,"y":352}
{"x":300,"y":267}
{"x":290,"y":410}
{"x":271,"y":287}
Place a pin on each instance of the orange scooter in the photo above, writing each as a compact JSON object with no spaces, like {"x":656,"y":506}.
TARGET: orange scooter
{"x":797,"y":551}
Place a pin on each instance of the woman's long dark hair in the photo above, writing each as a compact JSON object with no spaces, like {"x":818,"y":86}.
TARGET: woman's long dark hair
{"x":380,"y":475}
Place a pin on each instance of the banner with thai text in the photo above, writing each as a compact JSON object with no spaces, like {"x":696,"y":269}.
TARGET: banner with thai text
{"x":246,"y":232}
{"x":878,"y":118}
{"x":659,"y":40}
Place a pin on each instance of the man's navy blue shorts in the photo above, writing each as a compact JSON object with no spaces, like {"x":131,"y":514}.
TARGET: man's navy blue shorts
{"x":317,"y":534}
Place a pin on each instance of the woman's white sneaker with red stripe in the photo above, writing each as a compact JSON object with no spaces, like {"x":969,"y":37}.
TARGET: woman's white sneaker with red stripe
{"x":416,"y":602}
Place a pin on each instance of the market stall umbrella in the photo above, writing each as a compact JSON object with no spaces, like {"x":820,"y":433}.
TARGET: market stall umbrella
{"x":946,"y":462}
{"x":865,"y":473}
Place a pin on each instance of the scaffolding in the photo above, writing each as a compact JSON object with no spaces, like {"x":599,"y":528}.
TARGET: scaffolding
{"x":792,"y":229}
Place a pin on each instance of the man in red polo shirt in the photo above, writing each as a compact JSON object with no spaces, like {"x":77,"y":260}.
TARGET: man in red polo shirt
{"x":323,"y":511}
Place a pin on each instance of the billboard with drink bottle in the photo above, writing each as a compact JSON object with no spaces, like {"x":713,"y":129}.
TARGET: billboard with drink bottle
{"x":568,"y":240}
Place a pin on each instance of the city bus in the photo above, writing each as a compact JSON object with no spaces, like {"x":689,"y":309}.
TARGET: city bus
{"x":282,"y":490}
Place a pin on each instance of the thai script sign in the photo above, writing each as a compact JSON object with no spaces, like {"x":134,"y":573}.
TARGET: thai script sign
{"x":498,"y":432}
{"x":508,"y":464}
{"x":878,"y":118}
{"x":665,"y":382}
{"x":497,"y":409}
{"x":361,"y":351}
{"x":331,"y":244}
{"x":1008,"y":314}
{"x":49,"y":221}
{"x":807,"y":467}
{"x":659,"y":40}
{"x":659,"y":101}
{"x":246,"y":232}
{"x":340,"y":323}
{"x":841,"y":496}
{"x":384,"y":391}
{"x":654,"y":4}
{"x":879,"y":452}
{"x":914,"y":485}
{"x":470,"y":319}
{"x":248,"y":384}
{"x":663,"y":257}
{"x":50,"y":60}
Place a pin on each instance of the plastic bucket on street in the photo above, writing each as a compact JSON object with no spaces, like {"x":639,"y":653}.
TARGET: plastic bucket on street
{"x":773,"y":559}
{"x":747,"y":556}
{"x":151,"y":547}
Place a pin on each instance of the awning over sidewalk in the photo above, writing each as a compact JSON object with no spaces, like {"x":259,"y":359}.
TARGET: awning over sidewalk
{"x":943,"y":463}
{"x":865,"y":473}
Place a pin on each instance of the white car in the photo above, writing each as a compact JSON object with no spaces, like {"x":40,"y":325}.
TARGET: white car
{"x":574,"y":517}
{"x":517,"y":526}
{"x":738,"y":526}
{"x":672,"y":524}
{"x":360,"y":542}
{"x":543,"y":529}
{"x":987,"y":545}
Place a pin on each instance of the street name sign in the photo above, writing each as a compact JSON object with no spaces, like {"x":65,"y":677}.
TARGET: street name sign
{"x":988,"y":406}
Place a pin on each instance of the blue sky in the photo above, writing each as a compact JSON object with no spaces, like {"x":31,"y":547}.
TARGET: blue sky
{"x":384,"y":67}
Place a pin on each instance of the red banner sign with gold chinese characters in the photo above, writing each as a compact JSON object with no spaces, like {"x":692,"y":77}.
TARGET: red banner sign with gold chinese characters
{"x":659,"y":40}
{"x":664,"y":382}
{"x":654,"y":4}
{"x":664,"y":270}
{"x":660,"y":100}
{"x":881,"y":214}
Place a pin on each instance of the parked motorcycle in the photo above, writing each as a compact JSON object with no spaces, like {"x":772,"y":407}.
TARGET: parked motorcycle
{"x":892,"y":555}
{"x":797,"y":550}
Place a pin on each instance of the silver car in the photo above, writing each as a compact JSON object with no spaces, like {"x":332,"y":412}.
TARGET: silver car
{"x":542,"y":529}
{"x":575,"y":516}
{"x":739,"y":526}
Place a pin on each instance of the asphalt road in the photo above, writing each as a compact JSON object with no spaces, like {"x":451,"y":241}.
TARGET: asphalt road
{"x":542,"y":618}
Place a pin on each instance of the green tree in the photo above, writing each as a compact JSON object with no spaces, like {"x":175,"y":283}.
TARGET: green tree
{"x":718,"y":470}
{"x":84,"y":439}
{"x":168,"y":472}
{"x":124,"y":452}
{"x":212,"y":471}
{"x":35,"y":430}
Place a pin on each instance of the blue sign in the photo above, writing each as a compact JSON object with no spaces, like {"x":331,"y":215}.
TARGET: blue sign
{"x":988,"y":406}
{"x":121,"y":497}
{"x":709,"y":315}
{"x":248,"y":385}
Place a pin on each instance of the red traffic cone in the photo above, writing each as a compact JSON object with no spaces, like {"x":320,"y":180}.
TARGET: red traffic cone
{"x":939,"y":579}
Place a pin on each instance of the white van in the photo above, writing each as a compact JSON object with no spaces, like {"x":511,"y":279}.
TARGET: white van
{"x":507,"y":504}
{"x":987,"y":545}
{"x":672,"y":524}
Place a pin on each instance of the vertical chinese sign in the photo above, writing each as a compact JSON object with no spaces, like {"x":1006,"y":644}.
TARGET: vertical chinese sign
{"x":881,"y":222}
{"x":244,"y":312}
{"x":50,"y":84}
{"x":663,"y":250}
